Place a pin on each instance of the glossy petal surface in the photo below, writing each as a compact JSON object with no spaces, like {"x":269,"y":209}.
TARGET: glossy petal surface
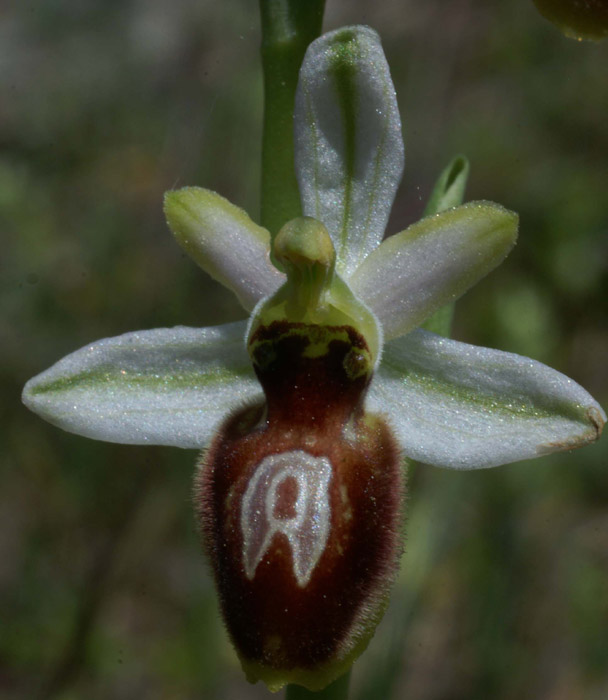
{"x":349,"y":149}
{"x":432,"y":263}
{"x":170,"y":386}
{"x":224,"y":241}
{"x":464,"y":407}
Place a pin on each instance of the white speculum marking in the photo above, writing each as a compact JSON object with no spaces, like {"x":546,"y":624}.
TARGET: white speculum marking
{"x":306,"y":524}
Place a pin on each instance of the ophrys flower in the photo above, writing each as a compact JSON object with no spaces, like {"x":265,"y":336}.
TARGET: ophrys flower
{"x":306,"y":409}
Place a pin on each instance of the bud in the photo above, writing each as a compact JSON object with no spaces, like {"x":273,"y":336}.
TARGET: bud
{"x":300,"y":497}
{"x":578,"y":19}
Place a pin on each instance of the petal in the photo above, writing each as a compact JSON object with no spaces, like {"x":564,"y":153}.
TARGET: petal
{"x":432,"y":263}
{"x":348,"y":144}
{"x":224,"y":241}
{"x":464,"y":407}
{"x":170,"y":386}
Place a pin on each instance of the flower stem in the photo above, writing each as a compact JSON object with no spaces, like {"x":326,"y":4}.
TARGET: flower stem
{"x":338,"y":690}
{"x":288,"y":26}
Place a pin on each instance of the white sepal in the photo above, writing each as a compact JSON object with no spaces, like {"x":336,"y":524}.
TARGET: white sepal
{"x":224,"y":241}
{"x":348,"y":143}
{"x":432,"y":263}
{"x":169,"y":386}
{"x":465,"y":407}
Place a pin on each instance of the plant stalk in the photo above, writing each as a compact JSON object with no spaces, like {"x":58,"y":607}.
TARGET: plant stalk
{"x":288,"y":27}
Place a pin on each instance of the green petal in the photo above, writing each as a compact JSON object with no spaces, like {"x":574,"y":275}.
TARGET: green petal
{"x":432,"y":263}
{"x":349,"y":149}
{"x":169,"y":386}
{"x":464,"y":407}
{"x":224,"y":241}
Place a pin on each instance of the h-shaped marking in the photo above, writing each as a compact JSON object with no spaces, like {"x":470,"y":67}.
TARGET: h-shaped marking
{"x":307,"y":530}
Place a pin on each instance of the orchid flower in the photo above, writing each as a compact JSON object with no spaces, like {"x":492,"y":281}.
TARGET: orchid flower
{"x":307,"y":409}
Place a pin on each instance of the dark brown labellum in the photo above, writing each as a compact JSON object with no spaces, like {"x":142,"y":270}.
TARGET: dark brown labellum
{"x":300,"y":502}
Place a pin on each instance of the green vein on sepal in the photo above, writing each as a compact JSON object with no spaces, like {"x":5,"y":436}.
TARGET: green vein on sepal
{"x":346,"y":51}
{"x":124,"y":379}
{"x":520,"y":406}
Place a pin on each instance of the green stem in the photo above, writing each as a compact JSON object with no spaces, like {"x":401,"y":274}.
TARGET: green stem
{"x":288,"y":26}
{"x":338,"y":690}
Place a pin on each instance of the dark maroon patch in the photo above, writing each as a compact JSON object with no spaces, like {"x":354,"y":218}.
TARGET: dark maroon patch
{"x":313,"y":405}
{"x":287,"y":493}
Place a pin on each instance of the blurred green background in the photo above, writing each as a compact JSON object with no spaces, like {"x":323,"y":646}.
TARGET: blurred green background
{"x":104,"y":105}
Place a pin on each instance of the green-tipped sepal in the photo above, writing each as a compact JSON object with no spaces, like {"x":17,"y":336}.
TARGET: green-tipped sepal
{"x":222,"y":239}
